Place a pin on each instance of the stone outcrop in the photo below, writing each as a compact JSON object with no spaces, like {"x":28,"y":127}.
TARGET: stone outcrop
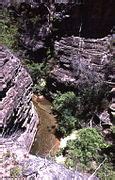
{"x":107,"y":117}
{"x":81,"y":63}
{"x":42,"y":22}
{"x":94,"y":18}
{"x":16,"y":162}
{"x":87,"y":18}
{"x":17,"y":114}
{"x":86,"y":64}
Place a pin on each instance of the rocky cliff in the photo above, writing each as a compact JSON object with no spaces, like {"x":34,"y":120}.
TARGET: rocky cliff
{"x":18,"y":125}
{"x":43,"y":22}
{"x":81,"y":63}
{"x":17,"y":113}
{"x":86,"y":66}
{"x":76,"y":32}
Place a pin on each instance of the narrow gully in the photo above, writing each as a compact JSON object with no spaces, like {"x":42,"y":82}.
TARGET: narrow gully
{"x":45,"y":143}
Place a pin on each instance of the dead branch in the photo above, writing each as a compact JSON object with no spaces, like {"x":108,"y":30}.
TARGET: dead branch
{"x":97,"y":169}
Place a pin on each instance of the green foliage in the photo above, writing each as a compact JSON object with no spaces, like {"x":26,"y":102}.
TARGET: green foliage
{"x":15,"y":172}
{"x":85,"y":148}
{"x":34,"y":19}
{"x":106,"y":172}
{"x":67,"y":123}
{"x":8,"y":32}
{"x":65,"y":106}
{"x":36,"y":71}
{"x":85,"y":154}
{"x":65,"y":101}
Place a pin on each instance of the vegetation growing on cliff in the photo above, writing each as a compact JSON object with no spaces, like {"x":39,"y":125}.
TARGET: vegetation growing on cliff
{"x":8,"y":31}
{"x":88,"y":150}
{"x":15,"y":172}
{"x":85,"y":148}
{"x":65,"y":105}
{"x":73,"y":111}
{"x":86,"y":153}
{"x":76,"y":110}
{"x":39,"y":73}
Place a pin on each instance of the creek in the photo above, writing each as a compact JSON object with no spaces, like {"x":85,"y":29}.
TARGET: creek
{"x":45,"y":142}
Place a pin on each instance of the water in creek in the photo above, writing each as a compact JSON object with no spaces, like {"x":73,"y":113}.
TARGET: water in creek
{"x":45,"y":142}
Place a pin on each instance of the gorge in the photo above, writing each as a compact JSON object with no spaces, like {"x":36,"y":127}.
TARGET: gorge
{"x":64,"y":52}
{"x":18,"y":125}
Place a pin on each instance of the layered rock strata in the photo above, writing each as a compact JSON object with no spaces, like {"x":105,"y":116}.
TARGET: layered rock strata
{"x":81,"y":63}
{"x":110,"y":82}
{"x":17,"y":114}
{"x":42,"y":22}
{"x":86,"y":64}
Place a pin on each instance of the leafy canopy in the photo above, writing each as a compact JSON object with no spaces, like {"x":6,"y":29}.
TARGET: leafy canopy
{"x":65,"y":106}
{"x":85,"y":148}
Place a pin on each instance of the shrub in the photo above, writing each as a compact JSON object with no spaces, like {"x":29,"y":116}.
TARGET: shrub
{"x":15,"y":172}
{"x":65,"y":106}
{"x":65,"y":101}
{"x":36,"y":70}
{"x":8,"y":32}
{"x":85,"y":149}
{"x":67,"y":123}
{"x":106,"y":171}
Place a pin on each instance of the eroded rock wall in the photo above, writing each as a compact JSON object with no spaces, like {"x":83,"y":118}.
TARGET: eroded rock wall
{"x":43,"y":22}
{"x":17,"y":114}
{"x":81,"y":63}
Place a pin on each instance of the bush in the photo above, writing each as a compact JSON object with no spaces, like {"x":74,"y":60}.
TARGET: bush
{"x":65,"y":101}
{"x":65,"y":106}
{"x":8,"y":32}
{"x":15,"y":172}
{"x":85,"y":149}
{"x":36,"y":71}
{"x":67,"y":123}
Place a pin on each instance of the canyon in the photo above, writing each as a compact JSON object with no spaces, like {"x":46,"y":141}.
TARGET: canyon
{"x":18,"y":125}
{"x":79,"y":35}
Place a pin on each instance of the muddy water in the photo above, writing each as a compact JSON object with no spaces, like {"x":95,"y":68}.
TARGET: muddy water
{"x":45,"y":142}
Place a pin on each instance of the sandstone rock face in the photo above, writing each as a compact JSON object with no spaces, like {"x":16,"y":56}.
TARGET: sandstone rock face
{"x":81,"y":63}
{"x":17,"y":114}
{"x":45,"y":21}
{"x":32,"y":167}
